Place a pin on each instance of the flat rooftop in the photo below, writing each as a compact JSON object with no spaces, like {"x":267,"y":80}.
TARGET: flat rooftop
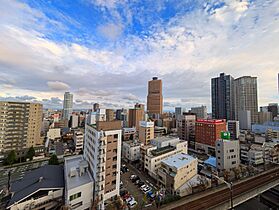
{"x":164,"y":138}
{"x":179,"y":160}
{"x":162,"y":150}
{"x":76,"y":181}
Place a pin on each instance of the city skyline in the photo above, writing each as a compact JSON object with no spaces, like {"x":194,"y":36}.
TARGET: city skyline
{"x":107,"y":53}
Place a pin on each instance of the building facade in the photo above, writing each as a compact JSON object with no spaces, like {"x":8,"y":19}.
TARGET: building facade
{"x":136,"y":115}
{"x":102,"y":150}
{"x":155,"y":97}
{"x":222,"y":97}
{"x":233,"y":128}
{"x":246,"y":97}
{"x":201,"y":112}
{"x":110,"y":114}
{"x":67,"y":105}
{"x":78,"y":141}
{"x":186,"y":126}
{"x":146,"y":131}
{"x":131,"y":150}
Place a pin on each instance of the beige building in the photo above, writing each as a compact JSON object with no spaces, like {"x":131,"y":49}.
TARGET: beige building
{"x":20,"y":125}
{"x":146,"y":131}
{"x":102,"y":151}
{"x":110,"y":114}
{"x":176,"y":170}
{"x":186,"y":126}
{"x":155,"y":97}
{"x":136,"y":115}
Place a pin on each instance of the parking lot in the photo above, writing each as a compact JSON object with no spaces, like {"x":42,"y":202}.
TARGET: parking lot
{"x":144,"y":202}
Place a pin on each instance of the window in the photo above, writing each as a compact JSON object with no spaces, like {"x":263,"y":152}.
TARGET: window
{"x":114,"y":166}
{"x":233,"y":162}
{"x":115,"y":136}
{"x":75,"y":196}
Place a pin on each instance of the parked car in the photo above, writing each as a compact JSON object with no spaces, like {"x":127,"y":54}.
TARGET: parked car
{"x":133,"y":176}
{"x":143,"y":186}
{"x":132,"y":204}
{"x":129,"y":199}
{"x":146,"y":190}
{"x":135,"y":179}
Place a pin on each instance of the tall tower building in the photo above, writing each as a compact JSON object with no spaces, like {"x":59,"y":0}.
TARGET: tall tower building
{"x":246,"y":97}
{"x":102,"y":150}
{"x":155,"y":97}
{"x":20,"y":126}
{"x":222,"y":98}
{"x":67,"y":105}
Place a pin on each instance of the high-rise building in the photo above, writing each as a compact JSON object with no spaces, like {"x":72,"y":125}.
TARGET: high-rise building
{"x":20,"y":125}
{"x":67,"y":105}
{"x":102,"y":150}
{"x":227,"y":154}
{"x":155,"y":97}
{"x":186,"y":126}
{"x":136,"y":115}
{"x":246,"y":97}
{"x":178,"y":112}
{"x":146,"y":131}
{"x":96,"y":106}
{"x":273,"y":108}
{"x":222,"y":97}
{"x":207,"y":132}
{"x":245,"y":120}
{"x":200,"y":111}
{"x":109,"y":114}
{"x":233,"y":128}
{"x":265,"y":117}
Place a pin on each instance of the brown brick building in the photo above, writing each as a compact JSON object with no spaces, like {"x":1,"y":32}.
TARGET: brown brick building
{"x":155,"y":97}
{"x":136,"y":115}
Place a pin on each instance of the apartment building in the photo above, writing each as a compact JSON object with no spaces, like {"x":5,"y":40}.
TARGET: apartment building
{"x":233,"y":128}
{"x":227,"y":154}
{"x":146,"y":131}
{"x":110,"y":115}
{"x":161,"y":149}
{"x":78,"y":183}
{"x":131,"y":150}
{"x":207,"y":132}
{"x":186,"y":126}
{"x":20,"y":125}
{"x":102,"y":150}
{"x":78,"y":141}
{"x":176,"y":170}
{"x":128,"y":134}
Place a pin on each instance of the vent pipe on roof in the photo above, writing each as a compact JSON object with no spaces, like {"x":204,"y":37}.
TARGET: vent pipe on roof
{"x":41,"y":179}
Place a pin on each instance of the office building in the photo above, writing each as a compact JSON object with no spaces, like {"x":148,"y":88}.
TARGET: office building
{"x":176,"y":170}
{"x":20,"y":126}
{"x":109,"y":115}
{"x":160,"y":149}
{"x":233,"y":128}
{"x":41,"y":188}
{"x":78,"y":183}
{"x":178,"y":112}
{"x":67,"y":105}
{"x":222,"y":97}
{"x":227,"y":154}
{"x":155,"y":97}
{"x":146,"y":131}
{"x":78,"y":141}
{"x":200,"y":111}
{"x":131,"y":150}
{"x":136,"y":115}
{"x":96,"y":106}
{"x":186,"y":126}
{"x":273,"y":108}
{"x":246,"y":97}
{"x":207,"y":132}
{"x":245,"y":120}
{"x":102,"y":151}
{"x":265,"y":117}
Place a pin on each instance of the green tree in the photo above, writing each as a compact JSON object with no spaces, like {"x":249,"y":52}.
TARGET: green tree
{"x":31,"y":153}
{"x":53,"y":160}
{"x":11,"y":159}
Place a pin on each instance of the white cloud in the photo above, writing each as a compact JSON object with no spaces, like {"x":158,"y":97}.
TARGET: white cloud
{"x":58,"y":86}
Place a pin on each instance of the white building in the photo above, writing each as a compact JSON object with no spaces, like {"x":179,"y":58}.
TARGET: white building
{"x":131,"y":150}
{"x":67,"y":105}
{"x":78,"y":141}
{"x":78,"y":183}
{"x":163,"y":148}
{"x":101,"y":115}
{"x":74,"y":121}
{"x":227,"y":154}
{"x":102,"y":150}
{"x":54,"y":133}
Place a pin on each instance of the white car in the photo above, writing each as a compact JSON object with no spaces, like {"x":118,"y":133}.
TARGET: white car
{"x":133,"y":176}
{"x":146,"y":190}
{"x":130,"y":199}
{"x":143,"y":186}
{"x":132,"y":204}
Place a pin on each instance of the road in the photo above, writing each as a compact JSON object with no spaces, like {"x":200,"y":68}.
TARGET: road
{"x":213,"y":197}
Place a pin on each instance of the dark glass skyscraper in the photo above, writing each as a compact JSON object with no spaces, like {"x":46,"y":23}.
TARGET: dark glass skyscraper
{"x":222,"y":97}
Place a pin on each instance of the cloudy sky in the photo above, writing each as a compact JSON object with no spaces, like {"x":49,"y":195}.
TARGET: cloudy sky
{"x":106,"y":50}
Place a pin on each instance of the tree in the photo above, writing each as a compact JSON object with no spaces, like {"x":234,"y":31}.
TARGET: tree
{"x":53,"y":160}
{"x":11,"y":159}
{"x":31,"y":153}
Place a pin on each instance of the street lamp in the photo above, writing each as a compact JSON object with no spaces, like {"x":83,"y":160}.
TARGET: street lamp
{"x":230,"y":186}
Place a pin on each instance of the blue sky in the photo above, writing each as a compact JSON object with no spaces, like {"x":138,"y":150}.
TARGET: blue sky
{"x":106,"y":50}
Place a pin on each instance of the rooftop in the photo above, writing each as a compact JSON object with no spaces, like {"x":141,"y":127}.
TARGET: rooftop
{"x":165,"y":138}
{"x":132,"y":143}
{"x":72,"y":163}
{"x":162,"y":150}
{"x":179,"y":160}
{"x":211,"y":121}
{"x":107,"y":125}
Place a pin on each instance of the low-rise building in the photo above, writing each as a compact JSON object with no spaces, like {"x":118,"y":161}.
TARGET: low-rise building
{"x":78,"y":183}
{"x":131,"y":150}
{"x":54,"y":133}
{"x":176,"y":170}
{"x":41,"y":188}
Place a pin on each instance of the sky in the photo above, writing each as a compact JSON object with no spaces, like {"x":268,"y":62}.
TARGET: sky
{"x":106,"y":51}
